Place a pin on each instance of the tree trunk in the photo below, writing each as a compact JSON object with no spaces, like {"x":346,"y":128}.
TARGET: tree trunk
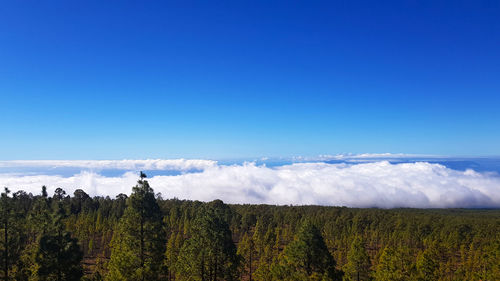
{"x":250,"y":267}
{"x":59,"y":256}
{"x":6,"y":237}
{"x":203,"y":267}
{"x":358,"y":269}
{"x":215,"y":273}
{"x":142,"y":244}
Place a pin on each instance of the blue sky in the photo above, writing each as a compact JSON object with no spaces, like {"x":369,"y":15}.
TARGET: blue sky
{"x":226,"y":79}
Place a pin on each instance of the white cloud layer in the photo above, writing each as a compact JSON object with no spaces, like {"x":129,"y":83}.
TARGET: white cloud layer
{"x":147,"y":164}
{"x":378,"y":184}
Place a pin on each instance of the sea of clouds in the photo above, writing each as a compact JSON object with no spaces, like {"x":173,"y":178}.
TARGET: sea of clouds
{"x":374,"y":183}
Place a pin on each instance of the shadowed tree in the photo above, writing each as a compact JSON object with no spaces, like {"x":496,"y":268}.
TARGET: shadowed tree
{"x":308,"y":258}
{"x":6,"y":212}
{"x":58,"y":256}
{"x":138,"y":245}
{"x":80,"y":201}
{"x":59,"y":194}
{"x":209,"y":254}
{"x":12,"y":241}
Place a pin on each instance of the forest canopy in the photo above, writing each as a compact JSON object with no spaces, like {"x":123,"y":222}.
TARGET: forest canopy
{"x":146,"y":237}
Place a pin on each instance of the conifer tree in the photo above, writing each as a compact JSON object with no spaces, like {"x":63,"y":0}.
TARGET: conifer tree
{"x":209,"y":254}
{"x":267,"y":250}
{"x":258,"y":238}
{"x":428,"y":264}
{"x":246,"y":249}
{"x":5,"y":226}
{"x":39,"y":216}
{"x":138,"y":245}
{"x":58,"y":256}
{"x":12,"y":240}
{"x":387,"y":268}
{"x":247,"y":221}
{"x":174,"y":245}
{"x":358,"y":262}
{"x":394,"y":265}
{"x":492,"y":266}
{"x":38,"y":221}
{"x":5,"y":255}
{"x":307,"y":257}
{"x":266,"y":264}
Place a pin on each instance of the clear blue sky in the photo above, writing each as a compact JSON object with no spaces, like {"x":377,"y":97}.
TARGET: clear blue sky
{"x":225,"y":79}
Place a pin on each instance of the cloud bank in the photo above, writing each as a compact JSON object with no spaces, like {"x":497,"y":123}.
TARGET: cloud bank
{"x":147,"y":164}
{"x":378,"y":184}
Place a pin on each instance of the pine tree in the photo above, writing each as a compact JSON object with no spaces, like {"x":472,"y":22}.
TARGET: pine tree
{"x":39,"y":217}
{"x":247,"y":221}
{"x":6,"y":212}
{"x":307,"y":257}
{"x":492,"y":258}
{"x":246,"y":249}
{"x":358,"y":262}
{"x":394,"y":265}
{"x":38,"y":221}
{"x":387,"y":267}
{"x":428,"y":264}
{"x":209,"y":254}
{"x":174,"y":245}
{"x":58,"y":256}
{"x":13,"y":237}
{"x":265,"y":265}
{"x":138,"y":245}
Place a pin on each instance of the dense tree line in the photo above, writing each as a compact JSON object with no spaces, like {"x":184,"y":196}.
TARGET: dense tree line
{"x":144,"y":237}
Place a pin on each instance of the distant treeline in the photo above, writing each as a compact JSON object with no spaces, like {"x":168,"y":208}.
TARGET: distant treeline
{"x":145,"y":237}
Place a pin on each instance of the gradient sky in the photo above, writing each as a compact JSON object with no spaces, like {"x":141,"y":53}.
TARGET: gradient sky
{"x":225,"y":79}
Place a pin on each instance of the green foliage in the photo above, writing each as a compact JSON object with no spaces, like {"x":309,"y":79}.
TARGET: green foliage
{"x":395,"y":265}
{"x":307,"y":257}
{"x":396,"y":244}
{"x":58,"y":256}
{"x":12,"y":236}
{"x":246,"y":249}
{"x":174,"y":246}
{"x":358,"y":262}
{"x":138,"y":245}
{"x":209,"y":254}
{"x":428,"y":264}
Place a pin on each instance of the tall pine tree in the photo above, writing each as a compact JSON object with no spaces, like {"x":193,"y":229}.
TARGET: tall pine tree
{"x":58,"y":256}
{"x":209,"y":254}
{"x":308,"y":258}
{"x":138,"y":245}
{"x":395,"y":264}
{"x":12,"y":241}
{"x":246,"y":249}
{"x":358,"y":262}
{"x":428,"y":264}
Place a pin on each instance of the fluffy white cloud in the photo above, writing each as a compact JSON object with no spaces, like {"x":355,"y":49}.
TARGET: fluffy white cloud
{"x":379,"y":184}
{"x":147,"y":164}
